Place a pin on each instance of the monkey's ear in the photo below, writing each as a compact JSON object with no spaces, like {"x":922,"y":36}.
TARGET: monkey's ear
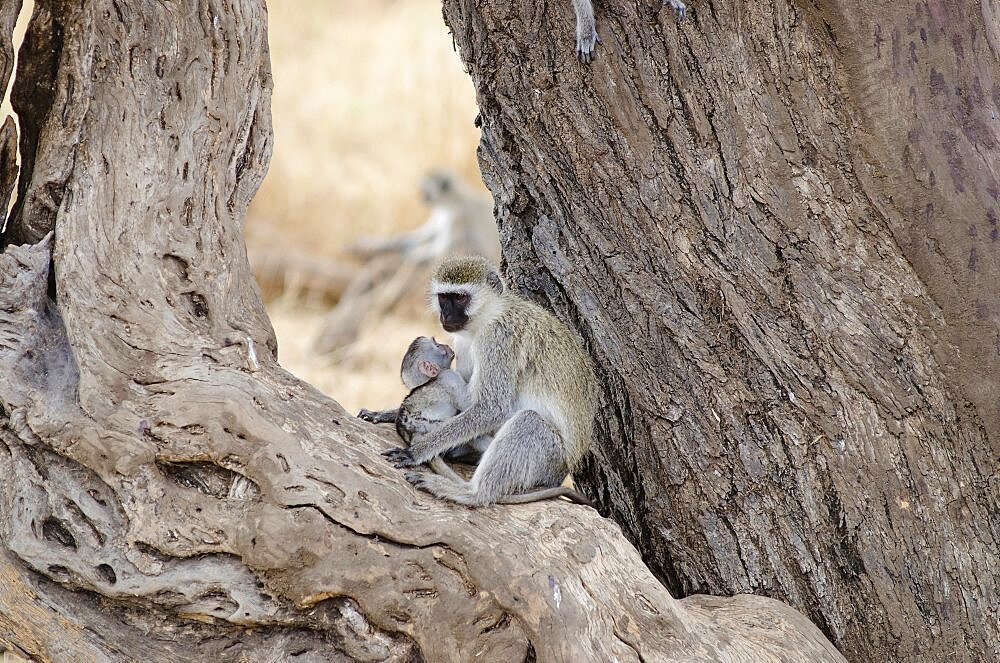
{"x":429,"y":368}
{"x":494,"y":281}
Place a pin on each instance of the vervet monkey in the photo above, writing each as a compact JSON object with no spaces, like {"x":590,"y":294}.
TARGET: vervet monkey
{"x":438,"y":393}
{"x":531,"y":385}
{"x":586,"y":26}
{"x":461,"y":222}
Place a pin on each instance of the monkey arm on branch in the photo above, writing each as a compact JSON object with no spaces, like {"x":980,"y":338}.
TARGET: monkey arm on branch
{"x":379,"y":417}
{"x":481,"y":418}
{"x":369,"y":246}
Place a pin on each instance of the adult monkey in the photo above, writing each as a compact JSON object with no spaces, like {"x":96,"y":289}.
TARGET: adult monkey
{"x":531,"y":385}
{"x":438,"y":393}
{"x":461,"y":221}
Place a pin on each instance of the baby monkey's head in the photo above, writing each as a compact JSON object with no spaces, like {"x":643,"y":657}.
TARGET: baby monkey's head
{"x":424,"y":360}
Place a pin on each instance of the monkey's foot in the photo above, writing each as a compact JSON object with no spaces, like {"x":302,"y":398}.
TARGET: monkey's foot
{"x":678,"y":7}
{"x":419,"y":480}
{"x":443,"y":487}
{"x":367,"y":415}
{"x":586,"y":43}
{"x":463,"y":454}
{"x":400,"y":458}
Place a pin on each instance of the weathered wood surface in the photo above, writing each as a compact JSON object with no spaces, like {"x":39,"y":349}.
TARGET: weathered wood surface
{"x":167,"y":491}
{"x":776,"y":225}
{"x":9,"y":10}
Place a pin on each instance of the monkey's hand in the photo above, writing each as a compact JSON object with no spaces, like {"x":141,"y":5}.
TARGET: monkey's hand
{"x":423,"y":448}
{"x":383,"y":417}
{"x":678,"y":7}
{"x":400,"y":458}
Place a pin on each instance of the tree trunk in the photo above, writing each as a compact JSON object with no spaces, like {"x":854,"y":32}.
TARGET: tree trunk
{"x":776,"y":225}
{"x":167,"y":491}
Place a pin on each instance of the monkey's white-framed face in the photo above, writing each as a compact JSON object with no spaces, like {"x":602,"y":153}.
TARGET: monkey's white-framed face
{"x":456,"y":305}
{"x":471,"y":303}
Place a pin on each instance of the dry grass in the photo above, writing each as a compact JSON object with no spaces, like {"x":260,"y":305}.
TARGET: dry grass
{"x":368,"y":96}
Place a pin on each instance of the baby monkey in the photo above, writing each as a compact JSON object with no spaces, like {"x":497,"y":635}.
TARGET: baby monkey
{"x":438,"y":393}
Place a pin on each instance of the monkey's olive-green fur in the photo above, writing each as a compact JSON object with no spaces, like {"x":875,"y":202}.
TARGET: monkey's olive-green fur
{"x":464,"y":270}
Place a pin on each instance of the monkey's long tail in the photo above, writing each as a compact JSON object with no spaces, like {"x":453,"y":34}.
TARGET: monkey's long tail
{"x":441,"y":468}
{"x":547,"y":493}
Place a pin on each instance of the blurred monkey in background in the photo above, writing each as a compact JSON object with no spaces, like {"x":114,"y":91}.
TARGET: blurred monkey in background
{"x":461,"y":222}
{"x":396,"y":268}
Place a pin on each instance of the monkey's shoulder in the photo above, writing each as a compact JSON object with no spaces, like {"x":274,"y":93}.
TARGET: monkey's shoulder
{"x":423,"y":395}
{"x":519,"y":309}
{"x":526,"y":323}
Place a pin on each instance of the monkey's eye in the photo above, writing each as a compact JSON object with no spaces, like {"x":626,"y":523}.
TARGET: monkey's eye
{"x":462,"y":300}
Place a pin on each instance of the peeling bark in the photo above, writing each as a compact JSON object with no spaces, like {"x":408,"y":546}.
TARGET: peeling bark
{"x":775,"y":224}
{"x":167,"y":491}
{"x":8,"y":17}
{"x":8,"y":131}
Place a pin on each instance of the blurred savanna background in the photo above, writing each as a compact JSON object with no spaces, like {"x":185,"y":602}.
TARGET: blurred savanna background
{"x":369,"y":95}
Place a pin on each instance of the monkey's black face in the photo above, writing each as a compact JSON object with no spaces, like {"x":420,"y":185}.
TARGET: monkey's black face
{"x":434,"y":187}
{"x":453,"y":306}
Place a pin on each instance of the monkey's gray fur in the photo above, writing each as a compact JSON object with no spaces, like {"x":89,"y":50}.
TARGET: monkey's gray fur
{"x":436,"y":394}
{"x":586,"y":26}
{"x":531,"y":385}
{"x":461,"y":221}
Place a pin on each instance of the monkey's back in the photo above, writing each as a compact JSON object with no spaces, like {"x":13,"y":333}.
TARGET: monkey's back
{"x":555,"y":375}
{"x":472,"y":229}
{"x":422,"y":409}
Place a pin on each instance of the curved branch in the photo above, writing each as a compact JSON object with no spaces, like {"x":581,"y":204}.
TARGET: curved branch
{"x":245,"y":497}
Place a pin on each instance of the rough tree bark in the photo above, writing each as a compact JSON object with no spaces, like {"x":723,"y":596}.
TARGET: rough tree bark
{"x":167,"y":491}
{"x":777,"y":226}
